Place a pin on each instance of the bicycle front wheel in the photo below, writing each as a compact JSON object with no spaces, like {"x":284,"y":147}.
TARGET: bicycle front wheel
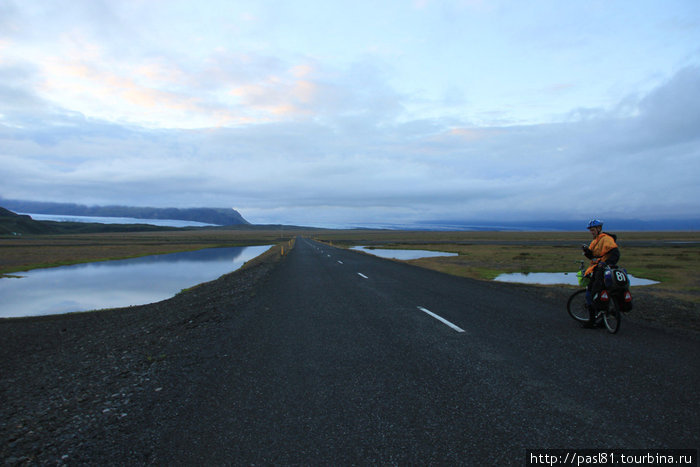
{"x":612,"y":316}
{"x":576,"y":306}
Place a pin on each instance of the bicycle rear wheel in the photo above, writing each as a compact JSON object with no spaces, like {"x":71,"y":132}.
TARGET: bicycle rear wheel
{"x":612,"y":316}
{"x":576,"y":306}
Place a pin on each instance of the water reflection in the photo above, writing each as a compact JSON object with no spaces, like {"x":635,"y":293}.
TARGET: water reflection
{"x":550,"y":278}
{"x":118,"y":283}
{"x":402,"y":254}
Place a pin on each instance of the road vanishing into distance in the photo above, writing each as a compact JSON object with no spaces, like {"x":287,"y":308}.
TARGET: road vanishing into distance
{"x":345,"y":358}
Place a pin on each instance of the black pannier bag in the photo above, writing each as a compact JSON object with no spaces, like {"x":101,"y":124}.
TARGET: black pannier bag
{"x":615,"y":278}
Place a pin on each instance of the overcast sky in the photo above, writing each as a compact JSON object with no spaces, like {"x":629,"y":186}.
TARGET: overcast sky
{"x":348,"y":112}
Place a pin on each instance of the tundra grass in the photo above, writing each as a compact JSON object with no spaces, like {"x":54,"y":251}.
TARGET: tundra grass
{"x":672,"y":258}
{"x":42,"y":251}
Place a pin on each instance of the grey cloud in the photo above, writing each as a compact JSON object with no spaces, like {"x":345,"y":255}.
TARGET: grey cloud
{"x":364,"y":169}
{"x":671,"y":113}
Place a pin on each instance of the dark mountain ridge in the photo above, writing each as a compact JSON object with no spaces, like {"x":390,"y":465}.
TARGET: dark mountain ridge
{"x":217,"y":216}
{"x":17,"y":224}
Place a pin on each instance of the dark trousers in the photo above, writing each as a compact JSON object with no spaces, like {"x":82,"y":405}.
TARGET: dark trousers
{"x":596,"y":285}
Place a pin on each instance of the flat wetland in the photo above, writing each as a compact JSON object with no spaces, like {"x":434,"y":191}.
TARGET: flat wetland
{"x":40,"y":251}
{"x":672,"y":258}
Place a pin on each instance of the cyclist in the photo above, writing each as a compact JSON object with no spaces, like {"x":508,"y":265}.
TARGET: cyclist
{"x":602,"y":250}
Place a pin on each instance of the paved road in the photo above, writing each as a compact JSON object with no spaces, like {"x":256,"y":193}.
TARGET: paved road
{"x":336,"y":361}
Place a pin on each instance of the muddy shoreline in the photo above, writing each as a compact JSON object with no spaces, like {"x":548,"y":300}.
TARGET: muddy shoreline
{"x":85,"y":387}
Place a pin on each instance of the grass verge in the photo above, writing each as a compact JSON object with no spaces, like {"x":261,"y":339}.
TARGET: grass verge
{"x":44,"y":251}
{"x":672,"y":258}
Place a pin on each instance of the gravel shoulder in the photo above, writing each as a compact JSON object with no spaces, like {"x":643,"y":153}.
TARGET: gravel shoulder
{"x":83,"y":388}
{"x":650,"y":309}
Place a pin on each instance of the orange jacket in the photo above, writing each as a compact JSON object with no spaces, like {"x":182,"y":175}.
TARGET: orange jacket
{"x":601,"y":247}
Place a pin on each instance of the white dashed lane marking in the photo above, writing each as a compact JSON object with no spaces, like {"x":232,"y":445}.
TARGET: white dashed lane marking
{"x":441,"y":319}
{"x":424,"y":310}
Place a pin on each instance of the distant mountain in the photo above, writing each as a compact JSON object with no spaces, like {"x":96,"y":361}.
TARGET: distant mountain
{"x":15,"y":224}
{"x":218,"y":216}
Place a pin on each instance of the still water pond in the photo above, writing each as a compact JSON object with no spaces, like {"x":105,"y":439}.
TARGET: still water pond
{"x":542,"y":278}
{"x":119,"y":283}
{"x":402,"y":254}
{"x":550,"y":278}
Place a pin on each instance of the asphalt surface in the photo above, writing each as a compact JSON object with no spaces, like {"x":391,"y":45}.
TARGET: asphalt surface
{"x":336,"y":361}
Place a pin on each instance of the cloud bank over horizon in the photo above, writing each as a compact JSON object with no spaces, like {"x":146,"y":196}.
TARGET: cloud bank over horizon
{"x":310,"y":113}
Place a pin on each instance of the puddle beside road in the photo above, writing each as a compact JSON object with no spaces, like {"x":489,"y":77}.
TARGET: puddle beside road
{"x":402,"y":254}
{"x":539,"y":278}
{"x":551,"y":278}
{"x":118,"y":283}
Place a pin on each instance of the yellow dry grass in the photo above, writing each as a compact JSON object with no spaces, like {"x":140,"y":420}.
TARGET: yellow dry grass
{"x":673,"y":258}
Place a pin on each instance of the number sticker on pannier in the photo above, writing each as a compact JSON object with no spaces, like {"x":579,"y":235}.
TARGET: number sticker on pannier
{"x":620,"y":279}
